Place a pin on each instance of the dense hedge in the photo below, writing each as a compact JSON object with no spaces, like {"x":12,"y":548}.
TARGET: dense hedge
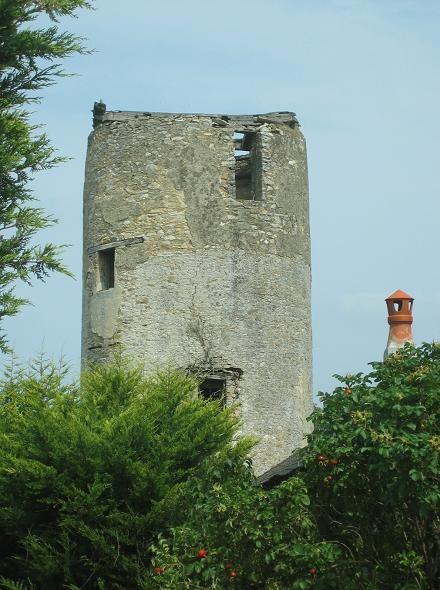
{"x":125,"y":482}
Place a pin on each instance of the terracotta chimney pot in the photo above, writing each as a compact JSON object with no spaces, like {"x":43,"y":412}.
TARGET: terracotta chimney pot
{"x":400,"y":318}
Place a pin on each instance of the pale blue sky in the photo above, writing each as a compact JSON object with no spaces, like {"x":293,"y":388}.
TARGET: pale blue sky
{"x":363,"y":78}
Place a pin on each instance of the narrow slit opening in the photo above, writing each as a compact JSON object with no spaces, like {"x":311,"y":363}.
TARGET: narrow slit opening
{"x":106,"y":268}
{"x":245,"y":166}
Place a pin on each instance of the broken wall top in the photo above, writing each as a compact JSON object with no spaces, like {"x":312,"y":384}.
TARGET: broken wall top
{"x":101,"y":115}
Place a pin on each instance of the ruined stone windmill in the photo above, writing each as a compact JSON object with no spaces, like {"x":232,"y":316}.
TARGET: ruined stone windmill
{"x":197,"y":255}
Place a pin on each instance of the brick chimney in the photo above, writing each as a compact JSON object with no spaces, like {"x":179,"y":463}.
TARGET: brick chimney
{"x":400,"y":318}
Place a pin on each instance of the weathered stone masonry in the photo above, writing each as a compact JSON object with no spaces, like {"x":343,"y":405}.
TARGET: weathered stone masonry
{"x":197,"y":255}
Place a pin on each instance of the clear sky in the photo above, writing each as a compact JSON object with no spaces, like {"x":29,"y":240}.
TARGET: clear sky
{"x":363,"y":77}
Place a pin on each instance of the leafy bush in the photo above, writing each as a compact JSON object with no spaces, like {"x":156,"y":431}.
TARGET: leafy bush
{"x":90,"y":474}
{"x":372,"y":468}
{"x":136,"y":483}
{"x":239,"y":535}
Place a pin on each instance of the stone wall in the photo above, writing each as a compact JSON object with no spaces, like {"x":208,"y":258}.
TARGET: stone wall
{"x":203,"y":280}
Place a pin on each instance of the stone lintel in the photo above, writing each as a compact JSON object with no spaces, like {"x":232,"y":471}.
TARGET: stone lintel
{"x":115,"y":244}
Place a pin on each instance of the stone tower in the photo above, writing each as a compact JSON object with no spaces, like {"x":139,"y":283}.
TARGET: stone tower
{"x":197,"y":255}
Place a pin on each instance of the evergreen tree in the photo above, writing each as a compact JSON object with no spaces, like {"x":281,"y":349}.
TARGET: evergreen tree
{"x":91,"y":474}
{"x":28,"y":62}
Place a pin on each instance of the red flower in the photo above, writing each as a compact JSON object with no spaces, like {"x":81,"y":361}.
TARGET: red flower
{"x":334,"y":461}
{"x":201,"y":553}
{"x":233,"y":574}
{"x":312,"y":571}
{"x":158,"y":570}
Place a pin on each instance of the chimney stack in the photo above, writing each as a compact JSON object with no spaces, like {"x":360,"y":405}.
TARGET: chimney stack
{"x":400,"y":318}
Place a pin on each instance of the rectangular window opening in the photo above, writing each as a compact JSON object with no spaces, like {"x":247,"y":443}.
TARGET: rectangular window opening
{"x":246,"y":173}
{"x":106,"y":269}
{"x":213,"y":388}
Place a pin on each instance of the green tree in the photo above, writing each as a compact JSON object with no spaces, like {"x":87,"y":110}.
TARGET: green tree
{"x":373,"y":469}
{"x":28,"y":62}
{"x":91,"y":474}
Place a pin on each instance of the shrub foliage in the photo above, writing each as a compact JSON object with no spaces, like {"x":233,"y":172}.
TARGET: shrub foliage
{"x":90,"y":475}
{"x":373,"y":469}
{"x":243,"y":536}
{"x":128,"y":482}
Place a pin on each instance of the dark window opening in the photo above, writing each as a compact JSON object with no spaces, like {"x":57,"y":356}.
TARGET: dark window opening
{"x":398,"y":305}
{"x":246,"y":176}
{"x":213,"y":388}
{"x":106,"y":268}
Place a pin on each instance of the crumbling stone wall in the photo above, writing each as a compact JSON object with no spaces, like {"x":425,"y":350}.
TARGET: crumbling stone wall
{"x":207,"y":275}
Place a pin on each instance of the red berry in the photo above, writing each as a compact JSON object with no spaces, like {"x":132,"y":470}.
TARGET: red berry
{"x":321,"y":458}
{"x":158,"y":570}
{"x":228,"y":566}
{"x":233,"y":574}
{"x":312,"y":571}
{"x":348,"y":391}
{"x":334,"y":461}
{"x":329,"y":477}
{"x":201,"y":553}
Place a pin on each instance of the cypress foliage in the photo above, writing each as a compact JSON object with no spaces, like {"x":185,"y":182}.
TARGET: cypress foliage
{"x":29,"y":59}
{"x":91,"y":473}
